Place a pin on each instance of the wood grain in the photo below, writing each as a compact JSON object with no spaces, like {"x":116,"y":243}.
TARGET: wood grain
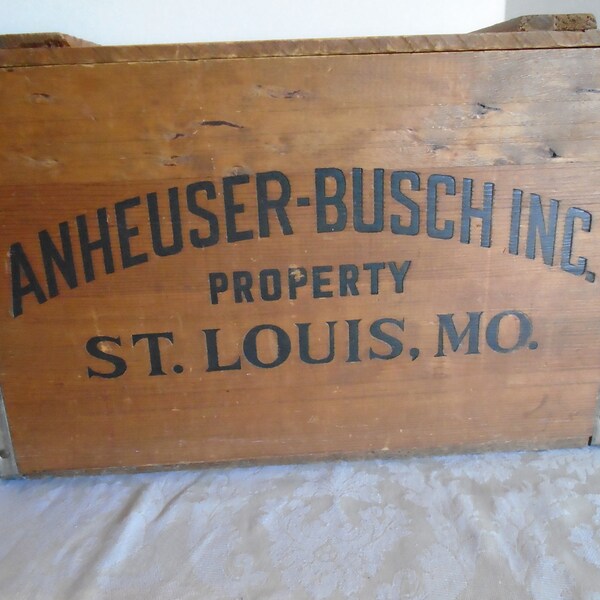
{"x":75,"y":138}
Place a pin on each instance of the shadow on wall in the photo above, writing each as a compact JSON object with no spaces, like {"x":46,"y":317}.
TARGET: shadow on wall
{"x":516,"y":8}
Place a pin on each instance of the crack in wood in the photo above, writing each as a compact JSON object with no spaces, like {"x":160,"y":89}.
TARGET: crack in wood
{"x":219,"y":123}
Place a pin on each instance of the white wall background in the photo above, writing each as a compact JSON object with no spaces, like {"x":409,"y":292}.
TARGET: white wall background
{"x":163,"y":21}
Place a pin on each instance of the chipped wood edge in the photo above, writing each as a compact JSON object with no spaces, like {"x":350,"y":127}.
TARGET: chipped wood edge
{"x":532,"y":40}
{"x":13,"y":41}
{"x":8,"y":463}
{"x":566,"y":22}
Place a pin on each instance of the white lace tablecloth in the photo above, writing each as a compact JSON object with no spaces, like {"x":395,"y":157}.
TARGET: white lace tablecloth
{"x":502,"y":526}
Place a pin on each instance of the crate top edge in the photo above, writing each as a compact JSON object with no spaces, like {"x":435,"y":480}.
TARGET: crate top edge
{"x":418,"y":44}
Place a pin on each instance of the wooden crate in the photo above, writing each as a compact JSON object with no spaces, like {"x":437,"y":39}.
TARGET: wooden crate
{"x":277,"y":251}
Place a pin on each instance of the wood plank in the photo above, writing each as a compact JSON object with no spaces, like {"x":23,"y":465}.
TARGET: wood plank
{"x":259,"y":380}
{"x":310,"y":47}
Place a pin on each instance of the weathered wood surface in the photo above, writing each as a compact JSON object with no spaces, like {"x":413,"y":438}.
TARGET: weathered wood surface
{"x":117,"y":136}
